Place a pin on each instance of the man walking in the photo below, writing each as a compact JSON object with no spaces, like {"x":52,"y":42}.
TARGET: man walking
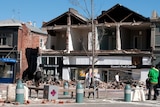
{"x":153,"y":81}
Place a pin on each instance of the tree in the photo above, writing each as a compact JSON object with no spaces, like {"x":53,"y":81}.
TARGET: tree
{"x":91,"y":17}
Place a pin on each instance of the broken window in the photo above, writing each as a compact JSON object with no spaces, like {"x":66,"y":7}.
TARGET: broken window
{"x":136,"y":60}
{"x":107,"y":39}
{"x":137,"y":42}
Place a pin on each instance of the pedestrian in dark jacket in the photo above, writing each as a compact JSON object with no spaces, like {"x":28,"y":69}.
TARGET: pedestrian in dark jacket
{"x":37,"y":78}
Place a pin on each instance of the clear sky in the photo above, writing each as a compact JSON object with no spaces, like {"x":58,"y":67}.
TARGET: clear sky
{"x":38,"y":11}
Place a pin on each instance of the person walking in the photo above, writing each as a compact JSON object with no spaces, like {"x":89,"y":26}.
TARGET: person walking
{"x":117,"y":80}
{"x":153,"y":81}
{"x":117,"y":77}
{"x":87,"y":80}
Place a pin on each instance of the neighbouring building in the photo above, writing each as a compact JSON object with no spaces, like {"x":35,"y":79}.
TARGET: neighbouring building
{"x":155,"y":36}
{"x":123,"y":41}
{"x":15,"y":38}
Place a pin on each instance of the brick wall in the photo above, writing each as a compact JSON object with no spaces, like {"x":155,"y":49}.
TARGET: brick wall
{"x":27,"y":39}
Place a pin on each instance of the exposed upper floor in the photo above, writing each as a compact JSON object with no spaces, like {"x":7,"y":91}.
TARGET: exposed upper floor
{"x":117,"y":30}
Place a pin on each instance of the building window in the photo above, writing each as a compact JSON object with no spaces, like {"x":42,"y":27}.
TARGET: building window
{"x":136,"y":60}
{"x":3,"y":41}
{"x":48,"y":60}
{"x":137,"y":42}
{"x":158,"y":29}
{"x":107,"y":39}
{"x":6,"y":71}
{"x":6,"y":39}
{"x":157,"y":40}
{"x":51,"y":60}
{"x":44,"y":60}
{"x":41,"y":43}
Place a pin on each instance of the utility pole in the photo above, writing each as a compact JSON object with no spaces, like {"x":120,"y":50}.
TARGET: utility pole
{"x":93,"y":44}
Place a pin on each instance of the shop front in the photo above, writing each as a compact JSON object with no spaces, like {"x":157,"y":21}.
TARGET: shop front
{"x":7,"y":73}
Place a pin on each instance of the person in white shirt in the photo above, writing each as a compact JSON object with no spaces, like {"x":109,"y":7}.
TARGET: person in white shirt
{"x":87,"y":79}
{"x":117,"y":77}
{"x":97,"y":77}
{"x":117,"y":80}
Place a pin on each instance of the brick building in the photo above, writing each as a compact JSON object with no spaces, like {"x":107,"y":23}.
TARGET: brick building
{"x":15,"y":38}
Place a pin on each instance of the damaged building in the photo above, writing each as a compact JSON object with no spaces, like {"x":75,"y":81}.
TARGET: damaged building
{"x":17,"y":37}
{"x":123,"y":43}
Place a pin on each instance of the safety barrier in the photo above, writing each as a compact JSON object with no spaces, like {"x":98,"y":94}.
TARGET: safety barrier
{"x":72,"y":91}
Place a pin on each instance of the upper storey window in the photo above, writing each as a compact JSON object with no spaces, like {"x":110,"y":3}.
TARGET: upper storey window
{"x":6,"y":39}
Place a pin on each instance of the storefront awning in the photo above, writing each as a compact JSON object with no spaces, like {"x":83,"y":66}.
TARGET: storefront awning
{"x":8,"y":60}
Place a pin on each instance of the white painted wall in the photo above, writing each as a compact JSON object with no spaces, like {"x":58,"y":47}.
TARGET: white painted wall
{"x":144,"y":75}
{"x":66,"y":60}
{"x":97,"y":44}
{"x":90,"y":41}
{"x":146,"y":61}
{"x":65,"y":74}
{"x":48,"y":46}
{"x":103,"y":60}
{"x":80,"y":60}
{"x":70,"y":40}
{"x":114,"y":60}
{"x":79,"y":39}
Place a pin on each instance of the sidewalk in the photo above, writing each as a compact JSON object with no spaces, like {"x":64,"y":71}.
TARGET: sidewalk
{"x":96,"y":102}
{"x":109,"y":96}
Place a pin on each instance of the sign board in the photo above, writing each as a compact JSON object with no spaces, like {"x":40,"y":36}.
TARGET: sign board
{"x":50,"y":92}
{"x":123,"y":66}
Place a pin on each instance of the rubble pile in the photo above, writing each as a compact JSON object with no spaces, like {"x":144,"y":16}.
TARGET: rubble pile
{"x":122,"y":84}
{"x":102,"y":85}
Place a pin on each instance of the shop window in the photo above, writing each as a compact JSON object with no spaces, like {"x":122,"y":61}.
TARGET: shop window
{"x":44,"y":60}
{"x":5,"y":71}
{"x":136,"y":60}
{"x":51,"y":60}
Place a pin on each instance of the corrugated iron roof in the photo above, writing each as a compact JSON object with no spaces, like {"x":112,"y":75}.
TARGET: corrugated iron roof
{"x":17,"y":23}
{"x":75,"y":12}
{"x":35,"y":29}
{"x":10,"y":22}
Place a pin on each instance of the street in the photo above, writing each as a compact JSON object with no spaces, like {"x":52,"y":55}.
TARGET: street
{"x":104,"y":104}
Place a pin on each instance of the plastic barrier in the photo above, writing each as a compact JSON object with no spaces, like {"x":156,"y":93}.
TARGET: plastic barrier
{"x":79,"y":93}
{"x":127,"y":93}
{"x":65,"y":86}
{"x":20,"y":92}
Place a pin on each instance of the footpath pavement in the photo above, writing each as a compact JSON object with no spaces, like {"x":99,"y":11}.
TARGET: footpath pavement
{"x":88,"y":102}
{"x":106,"y":97}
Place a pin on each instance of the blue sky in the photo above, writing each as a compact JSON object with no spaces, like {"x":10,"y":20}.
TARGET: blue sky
{"x":38,"y":11}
